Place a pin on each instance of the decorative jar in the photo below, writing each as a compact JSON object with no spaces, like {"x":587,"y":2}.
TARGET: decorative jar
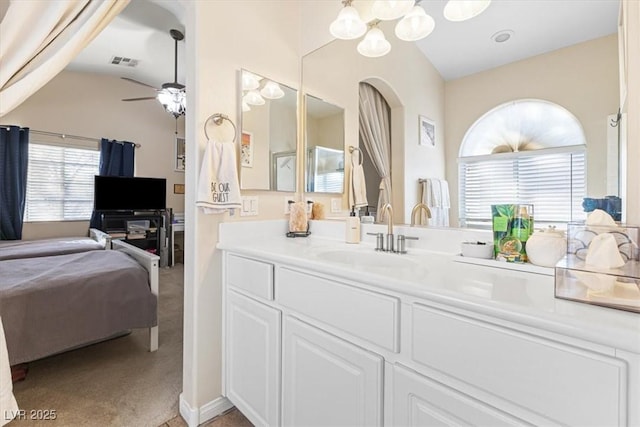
{"x":546,"y":247}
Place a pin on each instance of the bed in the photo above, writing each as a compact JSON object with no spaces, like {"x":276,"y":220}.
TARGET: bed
{"x":54,"y":303}
{"x":14,"y":249}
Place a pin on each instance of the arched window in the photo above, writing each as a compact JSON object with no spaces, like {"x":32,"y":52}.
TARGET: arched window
{"x":526,"y":151}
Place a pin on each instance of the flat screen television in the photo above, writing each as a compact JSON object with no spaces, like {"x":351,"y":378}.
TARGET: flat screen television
{"x":115,"y":193}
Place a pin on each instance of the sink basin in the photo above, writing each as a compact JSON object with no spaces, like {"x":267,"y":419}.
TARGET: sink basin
{"x":368,"y":259}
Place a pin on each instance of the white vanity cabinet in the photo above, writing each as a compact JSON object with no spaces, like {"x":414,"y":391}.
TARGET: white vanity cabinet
{"x":305,"y":348}
{"x":252,"y":341}
{"x":328,"y":381}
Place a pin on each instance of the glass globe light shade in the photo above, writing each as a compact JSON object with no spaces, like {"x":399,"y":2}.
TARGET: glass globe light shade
{"x":374,"y":44}
{"x":272,"y":90}
{"x":415,"y":25}
{"x":386,"y":10}
{"x":245,"y":106}
{"x":253,"y":97}
{"x":348,"y":24}
{"x":461,"y":10}
{"x":250,"y":81}
{"x":174,"y":100}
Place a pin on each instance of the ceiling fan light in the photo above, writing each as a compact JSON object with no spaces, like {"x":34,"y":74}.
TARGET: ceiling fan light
{"x":386,"y":10}
{"x":415,"y":25}
{"x":461,"y":10}
{"x":173,"y":100}
{"x":272,"y":90}
{"x":374,"y":44}
{"x":348,"y":25}
{"x":250,"y":81}
{"x":253,"y":97}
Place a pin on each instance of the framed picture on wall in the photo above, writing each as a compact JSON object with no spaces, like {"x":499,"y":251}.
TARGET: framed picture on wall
{"x":427,"y":132}
{"x":246,"y":150}
{"x":180,"y":152}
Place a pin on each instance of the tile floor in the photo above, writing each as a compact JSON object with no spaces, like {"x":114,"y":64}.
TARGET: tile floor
{"x":231,"y":418}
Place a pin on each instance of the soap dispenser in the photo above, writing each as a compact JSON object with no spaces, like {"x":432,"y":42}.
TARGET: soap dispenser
{"x":353,"y":227}
{"x":367,"y":218}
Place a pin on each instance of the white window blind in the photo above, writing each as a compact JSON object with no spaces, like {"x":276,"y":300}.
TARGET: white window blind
{"x":60,"y":182}
{"x":553,"y":180}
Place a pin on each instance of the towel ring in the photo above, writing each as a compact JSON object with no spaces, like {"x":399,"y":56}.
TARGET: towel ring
{"x":218,"y":119}
{"x":352,"y":149}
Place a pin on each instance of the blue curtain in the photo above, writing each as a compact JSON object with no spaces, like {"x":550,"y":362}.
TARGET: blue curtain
{"x":14,"y":156}
{"x":116,"y":159}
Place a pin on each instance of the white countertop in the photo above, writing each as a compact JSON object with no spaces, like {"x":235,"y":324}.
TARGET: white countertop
{"x":523,"y":297}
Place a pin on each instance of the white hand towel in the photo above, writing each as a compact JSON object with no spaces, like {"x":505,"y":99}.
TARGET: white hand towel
{"x":218,"y":187}
{"x":357,"y":185}
{"x":435,"y":194}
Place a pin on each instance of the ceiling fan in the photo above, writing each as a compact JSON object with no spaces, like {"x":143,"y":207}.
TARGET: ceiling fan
{"x":172,"y":95}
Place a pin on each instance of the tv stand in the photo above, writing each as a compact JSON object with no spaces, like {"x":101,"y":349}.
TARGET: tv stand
{"x":144,"y":229}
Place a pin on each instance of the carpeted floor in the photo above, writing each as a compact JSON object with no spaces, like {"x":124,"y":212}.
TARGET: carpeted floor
{"x":114,"y":383}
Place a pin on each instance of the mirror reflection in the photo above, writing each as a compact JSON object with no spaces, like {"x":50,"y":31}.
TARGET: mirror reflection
{"x":413,"y":88}
{"x":324,"y":142}
{"x":269,"y":134}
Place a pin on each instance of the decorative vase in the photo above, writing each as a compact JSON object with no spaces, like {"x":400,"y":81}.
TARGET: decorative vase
{"x":546,"y":247}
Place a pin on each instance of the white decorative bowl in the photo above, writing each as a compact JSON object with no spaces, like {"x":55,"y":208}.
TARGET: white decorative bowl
{"x":482,"y":250}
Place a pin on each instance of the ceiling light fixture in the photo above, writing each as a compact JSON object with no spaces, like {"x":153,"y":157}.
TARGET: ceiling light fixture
{"x":414,"y":24}
{"x":461,"y":10}
{"x":502,"y":36}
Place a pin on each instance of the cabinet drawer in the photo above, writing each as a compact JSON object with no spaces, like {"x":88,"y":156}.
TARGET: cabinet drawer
{"x":254,"y":277}
{"x":364,"y":314}
{"x":564,"y":384}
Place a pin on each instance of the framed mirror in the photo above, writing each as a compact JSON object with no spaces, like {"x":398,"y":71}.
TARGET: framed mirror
{"x":324,"y":145}
{"x":268,"y":133}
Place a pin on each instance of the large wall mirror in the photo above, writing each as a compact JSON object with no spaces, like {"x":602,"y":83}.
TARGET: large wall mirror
{"x":268,"y":134}
{"x":413,"y":87}
{"x":324,"y":145}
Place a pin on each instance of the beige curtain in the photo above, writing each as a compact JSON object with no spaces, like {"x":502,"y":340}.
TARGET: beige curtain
{"x":40,"y":37}
{"x":375,"y":135}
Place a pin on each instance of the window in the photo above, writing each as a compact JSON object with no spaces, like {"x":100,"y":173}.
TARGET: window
{"x":60,"y":182}
{"x":528,"y":152}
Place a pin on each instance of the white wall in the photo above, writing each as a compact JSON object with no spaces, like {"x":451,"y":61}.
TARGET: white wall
{"x":582,"y":78}
{"x":89,"y":104}
{"x":223,"y":37}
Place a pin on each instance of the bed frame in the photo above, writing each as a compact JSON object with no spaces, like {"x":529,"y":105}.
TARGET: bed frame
{"x":151,"y":263}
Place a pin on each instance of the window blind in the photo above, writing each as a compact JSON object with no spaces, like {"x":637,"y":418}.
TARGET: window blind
{"x":60,"y":183}
{"x":552,"y":180}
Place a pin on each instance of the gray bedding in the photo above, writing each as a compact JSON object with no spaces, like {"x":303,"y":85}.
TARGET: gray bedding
{"x":51,"y":304}
{"x":14,"y":249}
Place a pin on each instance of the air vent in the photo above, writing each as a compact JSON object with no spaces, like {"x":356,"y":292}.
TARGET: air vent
{"x":123,"y":61}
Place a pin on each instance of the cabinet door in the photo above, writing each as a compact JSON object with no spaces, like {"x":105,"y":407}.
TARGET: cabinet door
{"x":419,"y":401}
{"x":253,"y":359}
{"x":328,"y":381}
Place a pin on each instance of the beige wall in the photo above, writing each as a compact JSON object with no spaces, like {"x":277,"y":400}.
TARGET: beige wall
{"x":582,"y":78}
{"x":333,"y":72}
{"x":218,"y":45}
{"x":88,"y":104}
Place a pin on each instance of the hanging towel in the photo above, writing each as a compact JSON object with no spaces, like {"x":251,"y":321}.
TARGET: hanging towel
{"x":357,"y":185}
{"x":435,"y":194}
{"x":218,"y":188}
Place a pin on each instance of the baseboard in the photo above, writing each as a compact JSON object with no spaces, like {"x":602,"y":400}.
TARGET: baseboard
{"x":214,"y":408}
{"x":194,"y":417}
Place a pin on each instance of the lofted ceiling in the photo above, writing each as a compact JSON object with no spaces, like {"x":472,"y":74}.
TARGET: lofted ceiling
{"x":141,"y":32}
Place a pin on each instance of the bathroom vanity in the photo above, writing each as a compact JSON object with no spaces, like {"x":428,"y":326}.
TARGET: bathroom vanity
{"x":318,"y":332}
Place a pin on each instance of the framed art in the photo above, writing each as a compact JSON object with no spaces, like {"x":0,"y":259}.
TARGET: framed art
{"x":246,"y":150}
{"x":180,"y":159}
{"x":427,"y":132}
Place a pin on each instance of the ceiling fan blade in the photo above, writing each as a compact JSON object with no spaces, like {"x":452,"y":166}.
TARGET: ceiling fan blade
{"x":137,"y":82}
{"x":140,"y":99}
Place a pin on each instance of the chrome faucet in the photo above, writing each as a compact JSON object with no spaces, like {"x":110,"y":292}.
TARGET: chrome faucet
{"x":389,"y":217}
{"x":417,"y":209}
